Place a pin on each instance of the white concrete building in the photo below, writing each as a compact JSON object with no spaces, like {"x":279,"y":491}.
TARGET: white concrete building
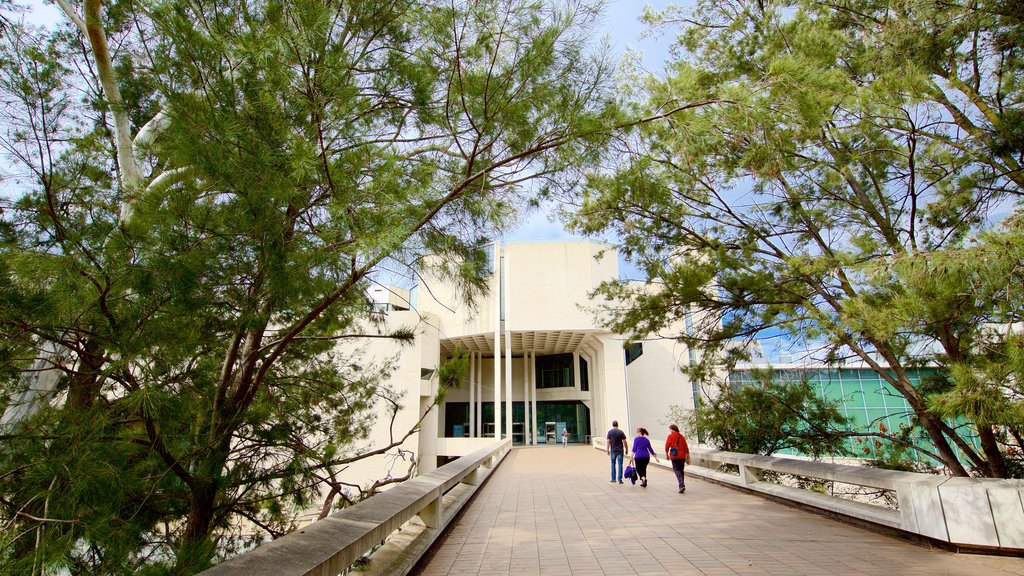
{"x":531,"y":341}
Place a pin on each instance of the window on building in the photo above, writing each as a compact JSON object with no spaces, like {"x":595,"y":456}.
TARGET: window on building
{"x":456,"y":419}
{"x":584,"y":377}
{"x":633,"y":351}
{"x":488,"y":258}
{"x":554,"y":371}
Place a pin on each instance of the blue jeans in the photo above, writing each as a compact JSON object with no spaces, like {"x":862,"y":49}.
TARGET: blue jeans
{"x":616,"y":461}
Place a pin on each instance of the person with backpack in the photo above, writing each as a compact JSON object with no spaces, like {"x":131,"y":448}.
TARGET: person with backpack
{"x":678,"y":453}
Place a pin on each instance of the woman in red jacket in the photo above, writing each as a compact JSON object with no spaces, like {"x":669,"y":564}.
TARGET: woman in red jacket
{"x":678,"y":453}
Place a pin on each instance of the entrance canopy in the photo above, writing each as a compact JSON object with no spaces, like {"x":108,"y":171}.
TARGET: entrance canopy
{"x":542,"y":343}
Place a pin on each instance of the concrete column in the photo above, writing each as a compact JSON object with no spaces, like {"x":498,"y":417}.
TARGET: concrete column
{"x":429,"y":431}
{"x":749,"y":475}
{"x":474,"y":478}
{"x":616,"y":387}
{"x":526,"y":398}
{"x":497,"y":339}
{"x":472,"y":394}
{"x":431,"y":514}
{"x":533,"y":393}
{"x":508,"y":351}
{"x":601,"y":417}
{"x":479,"y":393}
{"x":576,"y":370}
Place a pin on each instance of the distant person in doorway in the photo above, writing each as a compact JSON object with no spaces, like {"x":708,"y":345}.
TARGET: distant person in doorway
{"x":565,"y":437}
{"x":642,"y":454}
{"x":678,"y":453}
{"x":616,"y":445}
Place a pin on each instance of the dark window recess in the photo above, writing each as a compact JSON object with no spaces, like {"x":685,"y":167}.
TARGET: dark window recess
{"x":633,"y":351}
{"x":584,"y":378}
{"x":554,"y":371}
{"x":456,"y":419}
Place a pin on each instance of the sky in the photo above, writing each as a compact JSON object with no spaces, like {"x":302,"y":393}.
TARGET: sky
{"x":621,"y":23}
{"x":40,"y":13}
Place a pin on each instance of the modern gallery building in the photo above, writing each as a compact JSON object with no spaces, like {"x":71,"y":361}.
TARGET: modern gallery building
{"x":539,"y":362}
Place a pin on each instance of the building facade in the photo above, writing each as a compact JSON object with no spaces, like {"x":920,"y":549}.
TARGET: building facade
{"x":539,"y":362}
{"x":861,"y":394}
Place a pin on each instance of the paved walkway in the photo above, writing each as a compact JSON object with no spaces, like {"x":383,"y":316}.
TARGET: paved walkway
{"x":551,"y":510}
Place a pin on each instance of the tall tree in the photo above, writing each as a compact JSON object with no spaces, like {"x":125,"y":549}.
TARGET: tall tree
{"x":211,"y":187}
{"x":981,"y":288}
{"x":835,"y":142}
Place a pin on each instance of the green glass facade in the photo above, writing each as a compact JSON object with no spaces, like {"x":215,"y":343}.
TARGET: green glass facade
{"x":863,"y":396}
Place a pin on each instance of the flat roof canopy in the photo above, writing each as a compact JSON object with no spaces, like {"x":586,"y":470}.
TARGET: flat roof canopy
{"x":543,"y":342}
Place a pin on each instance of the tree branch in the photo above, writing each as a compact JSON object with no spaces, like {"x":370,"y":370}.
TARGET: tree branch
{"x":131,"y":178}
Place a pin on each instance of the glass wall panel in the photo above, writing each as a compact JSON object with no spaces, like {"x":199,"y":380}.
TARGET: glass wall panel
{"x":574,"y":414}
{"x":863,"y":396}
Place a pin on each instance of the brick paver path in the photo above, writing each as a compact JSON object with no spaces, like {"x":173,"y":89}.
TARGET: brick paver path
{"x":551,"y":510}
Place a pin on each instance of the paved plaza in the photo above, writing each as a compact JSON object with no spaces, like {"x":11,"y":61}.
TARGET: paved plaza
{"x":551,"y":510}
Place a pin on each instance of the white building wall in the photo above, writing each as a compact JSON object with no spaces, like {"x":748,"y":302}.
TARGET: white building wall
{"x":613,"y":378}
{"x":549,"y":281}
{"x":657,"y":382}
{"x":429,"y":355}
{"x":410,"y":358}
{"x":455,"y":317}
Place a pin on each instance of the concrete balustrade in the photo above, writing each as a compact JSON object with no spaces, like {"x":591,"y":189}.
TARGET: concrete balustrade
{"x":407,"y":519}
{"x":977,"y":514}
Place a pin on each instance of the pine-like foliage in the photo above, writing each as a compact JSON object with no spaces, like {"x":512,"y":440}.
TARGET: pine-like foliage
{"x":828,"y":185}
{"x":205,"y":189}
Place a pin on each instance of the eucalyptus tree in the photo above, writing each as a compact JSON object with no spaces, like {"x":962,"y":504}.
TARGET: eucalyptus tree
{"x":837,"y":149}
{"x":208,"y":189}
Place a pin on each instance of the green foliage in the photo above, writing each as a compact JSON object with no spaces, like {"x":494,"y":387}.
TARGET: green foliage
{"x":891,"y":450}
{"x":288,"y":155}
{"x":834,"y":160}
{"x":767,"y":417}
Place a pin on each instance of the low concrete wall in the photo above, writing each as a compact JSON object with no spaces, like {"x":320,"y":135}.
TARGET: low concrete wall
{"x":977,"y":514}
{"x":404,"y":520}
{"x":461,"y":446}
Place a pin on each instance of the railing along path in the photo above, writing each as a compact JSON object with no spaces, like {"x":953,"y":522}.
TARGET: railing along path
{"x":978,"y":514}
{"x":332,"y":545}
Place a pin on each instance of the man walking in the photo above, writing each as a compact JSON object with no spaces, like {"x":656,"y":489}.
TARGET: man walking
{"x":616,"y":445}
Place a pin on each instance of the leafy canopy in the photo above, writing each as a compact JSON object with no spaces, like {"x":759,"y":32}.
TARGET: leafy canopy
{"x":831,"y":154}
{"x":208,"y":190}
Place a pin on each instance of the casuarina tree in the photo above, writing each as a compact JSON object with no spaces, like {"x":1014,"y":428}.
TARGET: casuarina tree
{"x":830,"y":185}
{"x":204,"y":192}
